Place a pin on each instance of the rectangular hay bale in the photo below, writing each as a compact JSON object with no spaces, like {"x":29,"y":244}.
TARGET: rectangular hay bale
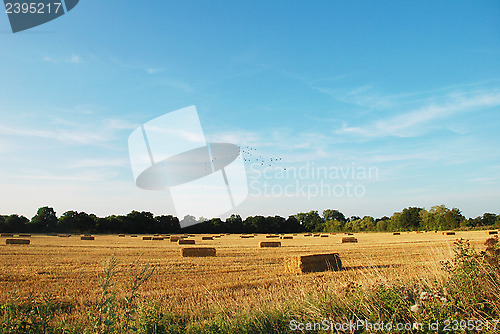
{"x":272,"y":236}
{"x":186,"y":242}
{"x":270,"y":244}
{"x":287,"y":237}
{"x":396,"y":233}
{"x":174,"y":238}
{"x":207,"y":238}
{"x":24,"y":235}
{"x":158,"y":238}
{"x":313,"y":263}
{"x":17,"y":241}
{"x":492,"y":232}
{"x":86,"y":237}
{"x":146,"y":238}
{"x":450,"y":233}
{"x":349,"y":239}
{"x":121,"y":235}
{"x":64,"y":235}
{"x":198,"y":252}
{"x":6,"y":235}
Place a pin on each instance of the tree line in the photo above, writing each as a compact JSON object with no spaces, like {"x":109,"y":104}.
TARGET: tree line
{"x":409,"y":219}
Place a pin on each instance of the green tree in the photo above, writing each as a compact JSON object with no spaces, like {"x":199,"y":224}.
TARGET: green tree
{"x":15,"y":223}
{"x":311,"y":221}
{"x":439,"y":217}
{"x":45,"y":220}
{"x":333,"y":215}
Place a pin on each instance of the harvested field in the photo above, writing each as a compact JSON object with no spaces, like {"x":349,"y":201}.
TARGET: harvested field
{"x":240,"y":275}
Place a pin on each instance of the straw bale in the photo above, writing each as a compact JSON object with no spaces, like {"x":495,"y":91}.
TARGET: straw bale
{"x":198,"y":251}
{"x":313,"y":263}
{"x":270,"y":244}
{"x":349,"y":239}
{"x":186,"y":242}
{"x":17,"y":241}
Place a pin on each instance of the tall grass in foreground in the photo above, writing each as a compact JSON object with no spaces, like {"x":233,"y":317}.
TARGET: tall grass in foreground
{"x":468,"y":299}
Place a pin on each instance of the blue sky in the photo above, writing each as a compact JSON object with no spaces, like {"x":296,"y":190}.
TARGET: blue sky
{"x":411,"y":90}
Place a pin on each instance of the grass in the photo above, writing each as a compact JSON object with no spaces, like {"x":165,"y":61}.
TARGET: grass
{"x":418,"y":278}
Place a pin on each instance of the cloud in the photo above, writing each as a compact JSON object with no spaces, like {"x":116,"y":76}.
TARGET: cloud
{"x":418,"y":121}
{"x":73,"y":59}
{"x":152,"y":70}
{"x":99,"y":163}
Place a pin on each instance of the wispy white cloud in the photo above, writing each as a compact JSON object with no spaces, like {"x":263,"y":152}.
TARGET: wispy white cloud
{"x":73,"y":59}
{"x":418,"y":121}
{"x":68,"y":136}
{"x":98,"y":163}
{"x":153,"y":70}
{"x":363,"y":96}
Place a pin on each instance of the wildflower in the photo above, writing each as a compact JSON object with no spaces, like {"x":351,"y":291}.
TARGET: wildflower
{"x":416,"y":308}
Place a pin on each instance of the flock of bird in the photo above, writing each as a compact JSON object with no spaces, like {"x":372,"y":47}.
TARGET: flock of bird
{"x":249,"y":154}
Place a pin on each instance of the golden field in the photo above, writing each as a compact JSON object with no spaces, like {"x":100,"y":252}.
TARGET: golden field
{"x":241,"y":276}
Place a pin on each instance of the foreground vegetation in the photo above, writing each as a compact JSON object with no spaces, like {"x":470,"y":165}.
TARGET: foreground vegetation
{"x":466,"y":289}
